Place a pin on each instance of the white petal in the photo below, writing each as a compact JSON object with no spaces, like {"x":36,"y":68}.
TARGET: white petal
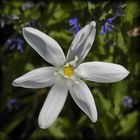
{"x":45,"y":46}
{"x":82,"y":43}
{"x":102,"y":72}
{"x":83,"y":98}
{"x":53,"y":104}
{"x":37,"y":78}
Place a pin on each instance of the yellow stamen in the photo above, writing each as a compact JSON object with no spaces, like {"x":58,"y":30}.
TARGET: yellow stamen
{"x":68,"y":70}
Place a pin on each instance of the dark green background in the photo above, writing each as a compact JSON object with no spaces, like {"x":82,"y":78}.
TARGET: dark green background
{"x":115,"y":121}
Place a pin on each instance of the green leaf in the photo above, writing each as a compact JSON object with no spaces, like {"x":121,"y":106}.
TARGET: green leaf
{"x":129,"y":122}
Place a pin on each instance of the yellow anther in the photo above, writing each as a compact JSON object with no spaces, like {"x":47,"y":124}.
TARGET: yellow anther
{"x":68,"y":70}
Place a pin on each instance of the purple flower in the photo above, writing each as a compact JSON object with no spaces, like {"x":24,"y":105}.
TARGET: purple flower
{"x":110,"y":20}
{"x":33,"y":23}
{"x":74,"y":25}
{"x":118,"y":8}
{"x":12,"y":104}
{"x":107,"y":26}
{"x":15,"y":42}
{"x":73,"y":21}
{"x":127,"y":102}
{"x":19,"y":44}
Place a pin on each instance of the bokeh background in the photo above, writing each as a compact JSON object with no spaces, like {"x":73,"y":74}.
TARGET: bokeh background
{"x":117,"y":41}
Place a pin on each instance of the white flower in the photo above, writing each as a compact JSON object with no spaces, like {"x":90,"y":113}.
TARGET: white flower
{"x":66,"y":73}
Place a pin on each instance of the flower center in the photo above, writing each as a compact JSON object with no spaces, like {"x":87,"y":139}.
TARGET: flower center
{"x":68,"y":70}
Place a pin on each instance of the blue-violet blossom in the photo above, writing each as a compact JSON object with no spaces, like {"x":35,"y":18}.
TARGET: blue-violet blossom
{"x":11,"y":104}
{"x":15,"y":42}
{"x":127,"y":102}
{"x":118,"y":8}
{"x":107,"y":26}
{"x":75,"y":26}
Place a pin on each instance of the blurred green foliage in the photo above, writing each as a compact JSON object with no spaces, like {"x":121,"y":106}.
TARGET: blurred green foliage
{"x":114,"y":121}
